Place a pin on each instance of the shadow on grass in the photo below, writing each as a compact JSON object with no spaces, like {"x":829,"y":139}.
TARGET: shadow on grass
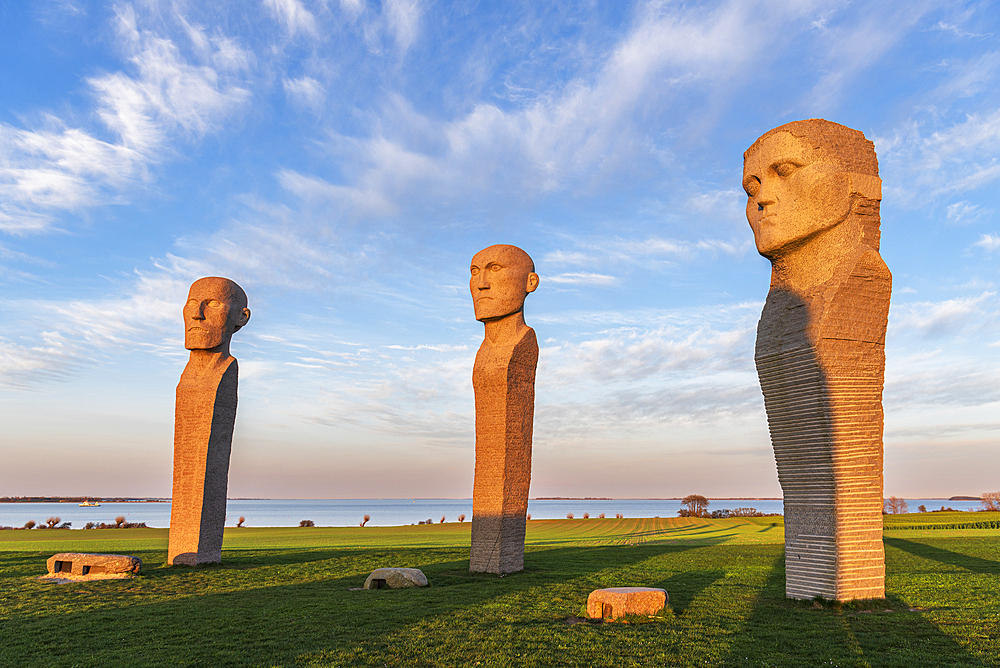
{"x":879,"y":632}
{"x":970,"y":563}
{"x":683,"y":588}
{"x":294,"y":607}
{"x":246,"y":612}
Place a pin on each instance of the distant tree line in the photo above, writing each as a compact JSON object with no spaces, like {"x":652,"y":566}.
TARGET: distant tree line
{"x":894,"y":505}
{"x":696,"y":505}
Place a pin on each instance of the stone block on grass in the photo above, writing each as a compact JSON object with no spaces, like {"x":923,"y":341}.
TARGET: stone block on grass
{"x":395,"y":578}
{"x":610,"y":604}
{"x":83,"y":566}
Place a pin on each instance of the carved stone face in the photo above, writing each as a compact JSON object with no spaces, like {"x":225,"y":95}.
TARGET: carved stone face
{"x":502,"y":276}
{"x":216,"y":307}
{"x":793,"y":192}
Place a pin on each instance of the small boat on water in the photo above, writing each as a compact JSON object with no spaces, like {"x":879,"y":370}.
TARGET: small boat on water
{"x":89,"y":504}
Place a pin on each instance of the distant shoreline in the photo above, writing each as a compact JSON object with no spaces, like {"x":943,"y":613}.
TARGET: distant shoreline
{"x":79,"y":499}
{"x":110,"y":499}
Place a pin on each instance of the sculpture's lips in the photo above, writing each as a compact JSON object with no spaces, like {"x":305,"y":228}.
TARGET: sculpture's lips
{"x":197,"y":329}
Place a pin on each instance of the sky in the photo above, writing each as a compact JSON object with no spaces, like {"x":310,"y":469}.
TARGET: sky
{"x":344,"y":160}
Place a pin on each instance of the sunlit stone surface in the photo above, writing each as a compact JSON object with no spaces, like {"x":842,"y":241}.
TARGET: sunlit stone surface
{"x":78,"y":566}
{"x":813,"y":204}
{"x":610,"y":604}
{"x":204,"y":418}
{"x":504,"y":382}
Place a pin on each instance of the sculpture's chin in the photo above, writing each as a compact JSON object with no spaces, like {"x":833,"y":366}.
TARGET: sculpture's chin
{"x":495,"y":311}
{"x":206,"y":341}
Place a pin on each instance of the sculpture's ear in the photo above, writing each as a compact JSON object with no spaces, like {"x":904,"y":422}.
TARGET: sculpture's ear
{"x":243,"y":319}
{"x":866,"y":185}
{"x":532,"y":282}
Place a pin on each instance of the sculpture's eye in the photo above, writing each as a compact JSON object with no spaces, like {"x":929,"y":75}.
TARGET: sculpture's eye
{"x":785,"y":169}
{"x":496,"y":267}
{"x":192,"y":303}
{"x":751,"y":185}
{"x":214,"y":303}
{"x":475,"y":271}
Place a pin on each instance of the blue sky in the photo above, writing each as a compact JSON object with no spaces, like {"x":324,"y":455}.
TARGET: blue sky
{"x":343,"y":161}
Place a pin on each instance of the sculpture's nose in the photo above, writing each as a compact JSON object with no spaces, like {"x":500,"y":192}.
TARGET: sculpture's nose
{"x":199,"y":311}
{"x":483,"y":284}
{"x":765,"y":195}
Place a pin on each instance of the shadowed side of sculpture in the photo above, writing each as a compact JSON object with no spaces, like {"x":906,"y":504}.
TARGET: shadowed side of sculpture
{"x":504,"y":383}
{"x":204,"y":419}
{"x":813,"y":196}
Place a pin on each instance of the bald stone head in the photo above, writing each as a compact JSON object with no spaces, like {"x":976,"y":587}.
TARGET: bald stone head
{"x":502,"y":276}
{"x":215,"y":309}
{"x":806,"y":177}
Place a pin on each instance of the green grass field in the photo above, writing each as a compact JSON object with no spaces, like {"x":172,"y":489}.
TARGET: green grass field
{"x":282,"y":598}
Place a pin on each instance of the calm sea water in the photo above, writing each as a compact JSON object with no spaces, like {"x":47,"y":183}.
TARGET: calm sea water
{"x":383,"y":512}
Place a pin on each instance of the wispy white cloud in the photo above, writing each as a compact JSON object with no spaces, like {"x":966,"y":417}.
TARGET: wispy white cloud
{"x":305,"y":91}
{"x":588,"y":131}
{"x":945,"y":26}
{"x":352,"y":7}
{"x":293,"y":16}
{"x":854,"y":45}
{"x":167,"y":93}
{"x":53,"y":358}
{"x":403,"y":18}
{"x":966,"y":78}
{"x":581,"y":278}
{"x":964,"y":213}
{"x":990,"y":242}
{"x":58,"y":168}
{"x":937,"y":386}
{"x":935,"y":319}
{"x":619,"y":250}
{"x":956,"y":159}
{"x":53,"y":167}
{"x":632,"y":354}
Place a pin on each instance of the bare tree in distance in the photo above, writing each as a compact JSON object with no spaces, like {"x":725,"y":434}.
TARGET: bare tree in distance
{"x":365,"y":520}
{"x":696,"y":506}
{"x":922,"y":508}
{"x":461,"y":518}
{"x":586,"y":516}
{"x":895,"y":505}
{"x":30,"y":524}
{"x":601,"y":516}
{"x":990,"y":501}
{"x":242,"y":520}
{"x":442,"y":519}
{"x":528,"y":516}
{"x":53,"y":521}
{"x":120,"y":520}
{"x":569,"y":516}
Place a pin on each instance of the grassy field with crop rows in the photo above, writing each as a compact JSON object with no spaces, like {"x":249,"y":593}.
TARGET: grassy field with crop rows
{"x":283,"y":597}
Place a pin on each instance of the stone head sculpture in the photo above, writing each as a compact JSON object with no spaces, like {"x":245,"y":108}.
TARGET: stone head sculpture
{"x":216,"y":308}
{"x":504,"y":382}
{"x":811,"y":186}
{"x":204,"y":420}
{"x":813,"y":196}
{"x":502,"y":276}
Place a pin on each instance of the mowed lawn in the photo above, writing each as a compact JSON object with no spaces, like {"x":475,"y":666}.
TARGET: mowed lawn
{"x":282,"y":598}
